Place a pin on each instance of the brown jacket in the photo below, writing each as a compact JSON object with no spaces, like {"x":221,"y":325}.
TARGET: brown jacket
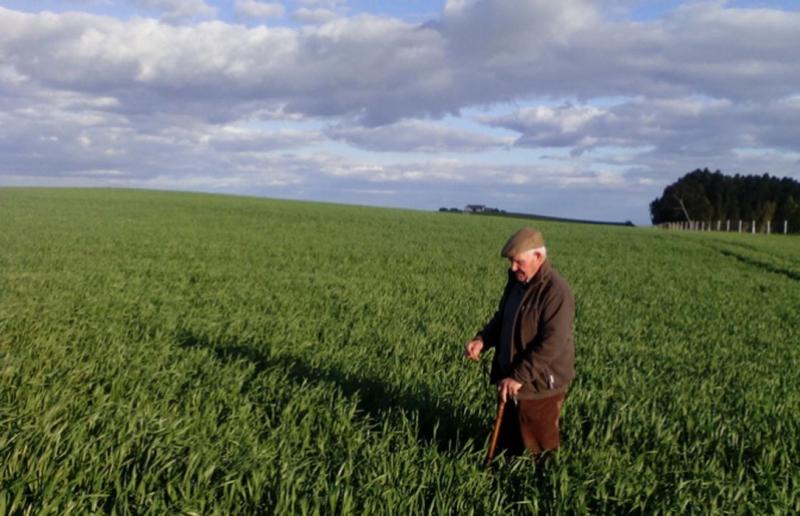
{"x":543,"y":350}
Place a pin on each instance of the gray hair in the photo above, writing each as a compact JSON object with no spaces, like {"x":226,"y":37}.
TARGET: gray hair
{"x":541,"y":250}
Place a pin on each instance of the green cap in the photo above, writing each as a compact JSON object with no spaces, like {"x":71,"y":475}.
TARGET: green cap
{"x":523,"y":240}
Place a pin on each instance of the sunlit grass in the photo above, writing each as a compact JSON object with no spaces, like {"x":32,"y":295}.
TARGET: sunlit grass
{"x":171,"y":352}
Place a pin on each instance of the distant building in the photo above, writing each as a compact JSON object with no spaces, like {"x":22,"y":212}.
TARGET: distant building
{"x":480,"y":208}
{"x":474,"y":208}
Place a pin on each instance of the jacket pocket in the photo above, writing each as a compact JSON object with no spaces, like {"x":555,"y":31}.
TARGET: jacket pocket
{"x":543,"y":378}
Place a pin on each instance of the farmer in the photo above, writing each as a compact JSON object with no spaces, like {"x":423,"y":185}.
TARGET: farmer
{"x":534,"y":359}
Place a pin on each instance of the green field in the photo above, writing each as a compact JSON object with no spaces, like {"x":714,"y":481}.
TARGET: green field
{"x":168,"y":352}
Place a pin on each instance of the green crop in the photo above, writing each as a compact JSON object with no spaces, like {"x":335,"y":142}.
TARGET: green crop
{"x":186,"y":353}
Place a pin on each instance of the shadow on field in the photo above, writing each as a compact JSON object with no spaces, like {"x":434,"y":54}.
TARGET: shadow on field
{"x":761,"y":265}
{"x":439,"y":420}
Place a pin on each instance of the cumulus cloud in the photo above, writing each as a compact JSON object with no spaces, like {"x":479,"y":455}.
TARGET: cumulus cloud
{"x":256,"y":9}
{"x":695,"y":127}
{"x":416,"y":136}
{"x":374,"y":68}
{"x":706,"y":84}
{"x":567,"y":49}
{"x":242,"y":139}
{"x":74,"y":139}
{"x":381,"y":69}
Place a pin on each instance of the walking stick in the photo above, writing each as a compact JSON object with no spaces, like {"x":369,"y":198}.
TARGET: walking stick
{"x":501,"y":406}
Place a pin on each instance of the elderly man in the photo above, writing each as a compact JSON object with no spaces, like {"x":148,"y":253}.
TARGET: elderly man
{"x":534,"y":359}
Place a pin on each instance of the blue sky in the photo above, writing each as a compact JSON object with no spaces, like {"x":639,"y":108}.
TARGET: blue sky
{"x":405,"y":9}
{"x":575,"y":108}
{"x":409,"y":10}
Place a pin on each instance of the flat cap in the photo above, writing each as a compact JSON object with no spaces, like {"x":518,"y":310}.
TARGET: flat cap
{"x":521,"y":241}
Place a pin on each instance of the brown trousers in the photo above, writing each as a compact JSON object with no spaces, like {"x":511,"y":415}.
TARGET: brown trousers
{"x":531,"y":425}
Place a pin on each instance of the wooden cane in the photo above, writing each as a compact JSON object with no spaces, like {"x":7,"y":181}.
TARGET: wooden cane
{"x":501,"y":406}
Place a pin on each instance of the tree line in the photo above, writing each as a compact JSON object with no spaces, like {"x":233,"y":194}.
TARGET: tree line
{"x":702,"y":195}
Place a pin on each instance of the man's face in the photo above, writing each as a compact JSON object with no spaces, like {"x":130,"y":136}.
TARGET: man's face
{"x":526,"y":264}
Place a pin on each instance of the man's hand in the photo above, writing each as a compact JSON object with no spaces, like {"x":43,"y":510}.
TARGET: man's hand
{"x":473,"y":349}
{"x":507,"y":387}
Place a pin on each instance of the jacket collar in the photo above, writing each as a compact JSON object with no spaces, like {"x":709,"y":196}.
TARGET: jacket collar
{"x":542,"y":275}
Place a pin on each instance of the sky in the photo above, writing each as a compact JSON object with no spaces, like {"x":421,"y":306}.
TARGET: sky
{"x":574,"y":108}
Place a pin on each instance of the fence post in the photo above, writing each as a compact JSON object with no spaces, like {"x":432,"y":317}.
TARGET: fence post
{"x":768,"y":224}
{"x":740,"y":225}
{"x":728,"y":225}
{"x":753,"y":228}
{"x":785,"y":226}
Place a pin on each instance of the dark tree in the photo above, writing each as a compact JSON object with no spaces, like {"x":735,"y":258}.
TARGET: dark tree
{"x":702,"y":195}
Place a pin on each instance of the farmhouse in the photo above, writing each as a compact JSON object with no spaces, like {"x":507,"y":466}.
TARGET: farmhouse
{"x":474,"y":208}
{"x":480,"y":208}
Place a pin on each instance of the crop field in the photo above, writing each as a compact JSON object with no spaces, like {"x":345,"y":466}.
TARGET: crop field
{"x":200,"y":354}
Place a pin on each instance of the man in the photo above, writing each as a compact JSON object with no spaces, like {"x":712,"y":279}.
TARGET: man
{"x":534,"y":359}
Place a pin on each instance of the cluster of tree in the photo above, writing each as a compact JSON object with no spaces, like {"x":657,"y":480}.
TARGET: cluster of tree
{"x":473,"y":208}
{"x":703,"y":195}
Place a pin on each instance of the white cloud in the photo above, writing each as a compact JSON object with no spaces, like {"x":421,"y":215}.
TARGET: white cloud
{"x":242,"y":139}
{"x":177,"y":9}
{"x":416,"y":136}
{"x":381,"y":69}
{"x":81,"y":92}
{"x":256,"y":9}
{"x":330,"y":4}
{"x":689,"y":127}
{"x":343,"y":67}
